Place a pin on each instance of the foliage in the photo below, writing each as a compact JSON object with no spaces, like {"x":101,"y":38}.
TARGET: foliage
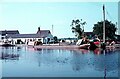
{"x":76,"y":27}
{"x":110,"y":29}
{"x":55,"y":39}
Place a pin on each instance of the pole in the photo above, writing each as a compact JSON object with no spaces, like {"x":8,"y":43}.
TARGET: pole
{"x":52,"y":29}
{"x":83,"y":29}
{"x":117,"y":27}
{"x":103,"y":24}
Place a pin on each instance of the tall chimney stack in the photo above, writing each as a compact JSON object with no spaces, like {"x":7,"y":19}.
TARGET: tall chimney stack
{"x":38,"y":32}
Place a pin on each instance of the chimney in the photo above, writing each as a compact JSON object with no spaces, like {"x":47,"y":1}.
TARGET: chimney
{"x":38,"y":28}
{"x":38,"y":32}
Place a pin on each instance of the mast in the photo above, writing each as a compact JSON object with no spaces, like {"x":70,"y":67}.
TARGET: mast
{"x":117,"y":30}
{"x":52,"y":29}
{"x":103,"y":24}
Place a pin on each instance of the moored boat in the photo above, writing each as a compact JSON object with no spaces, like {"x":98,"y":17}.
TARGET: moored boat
{"x":6,"y":44}
{"x":84,"y":46}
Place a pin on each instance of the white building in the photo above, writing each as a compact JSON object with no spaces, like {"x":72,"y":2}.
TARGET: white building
{"x":44,"y":36}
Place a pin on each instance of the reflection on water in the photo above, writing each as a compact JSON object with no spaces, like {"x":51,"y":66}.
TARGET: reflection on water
{"x":9,"y":53}
{"x":48,"y":62}
{"x":9,"y":56}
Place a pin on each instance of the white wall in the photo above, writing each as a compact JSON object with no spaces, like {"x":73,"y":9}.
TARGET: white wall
{"x":25,"y":39}
{"x":69,"y":41}
{"x":43,"y":40}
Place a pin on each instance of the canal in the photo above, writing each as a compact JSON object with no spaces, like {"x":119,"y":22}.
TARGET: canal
{"x":31,"y":62}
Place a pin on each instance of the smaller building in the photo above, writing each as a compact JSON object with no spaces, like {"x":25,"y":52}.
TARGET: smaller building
{"x":5,"y":33}
{"x":90,"y":35}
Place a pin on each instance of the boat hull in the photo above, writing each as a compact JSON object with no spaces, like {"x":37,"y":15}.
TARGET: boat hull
{"x":7,"y":45}
{"x":84,"y":46}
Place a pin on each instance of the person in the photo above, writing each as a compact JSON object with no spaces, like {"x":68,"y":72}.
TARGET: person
{"x":96,"y":41}
{"x":84,"y":40}
{"x":107,"y":43}
{"x":92,"y":46}
{"x":112,"y":43}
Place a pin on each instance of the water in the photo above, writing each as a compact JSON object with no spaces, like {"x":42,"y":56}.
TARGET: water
{"x":30,"y":62}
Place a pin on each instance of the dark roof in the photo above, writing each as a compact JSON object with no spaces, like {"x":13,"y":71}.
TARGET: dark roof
{"x":89,"y":33}
{"x":26,"y":36}
{"x":44,"y":32}
{"x":68,"y":38}
{"x":9,"y":32}
{"x":15,"y":34}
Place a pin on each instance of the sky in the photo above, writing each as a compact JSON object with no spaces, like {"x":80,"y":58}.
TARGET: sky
{"x":27,"y":16}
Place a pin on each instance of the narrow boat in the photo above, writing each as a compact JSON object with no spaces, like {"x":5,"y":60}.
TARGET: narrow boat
{"x":6,"y":44}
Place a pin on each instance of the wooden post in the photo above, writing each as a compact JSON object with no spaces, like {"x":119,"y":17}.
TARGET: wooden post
{"x":103,"y":24}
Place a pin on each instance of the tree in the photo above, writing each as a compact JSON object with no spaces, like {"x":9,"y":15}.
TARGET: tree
{"x":55,"y":39}
{"x":110,"y":29}
{"x":76,"y":27}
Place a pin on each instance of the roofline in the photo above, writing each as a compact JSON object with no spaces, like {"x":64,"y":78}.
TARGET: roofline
{"x":8,"y":30}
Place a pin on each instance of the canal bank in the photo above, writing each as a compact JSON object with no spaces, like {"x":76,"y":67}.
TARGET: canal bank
{"x":54,"y":46}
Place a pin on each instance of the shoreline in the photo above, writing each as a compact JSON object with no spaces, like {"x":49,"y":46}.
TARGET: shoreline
{"x":69,"y":47}
{"x":57,"y":46}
